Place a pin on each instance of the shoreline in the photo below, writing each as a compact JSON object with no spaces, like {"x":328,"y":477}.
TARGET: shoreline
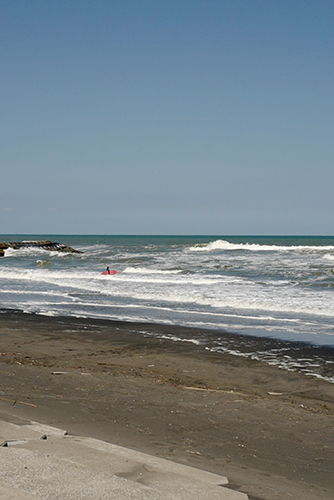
{"x":268,"y":350}
{"x":268,"y":430}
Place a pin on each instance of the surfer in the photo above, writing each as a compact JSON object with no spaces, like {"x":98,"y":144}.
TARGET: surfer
{"x":107,"y":271}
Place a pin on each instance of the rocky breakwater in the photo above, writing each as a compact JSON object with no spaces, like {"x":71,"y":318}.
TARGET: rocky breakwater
{"x":44,"y":244}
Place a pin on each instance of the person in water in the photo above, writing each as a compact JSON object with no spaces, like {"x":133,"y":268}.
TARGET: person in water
{"x":108,"y":270}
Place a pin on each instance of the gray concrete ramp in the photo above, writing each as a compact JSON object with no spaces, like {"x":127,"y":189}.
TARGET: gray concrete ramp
{"x":44,"y":463}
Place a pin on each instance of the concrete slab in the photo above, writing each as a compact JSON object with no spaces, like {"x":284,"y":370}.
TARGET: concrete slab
{"x":42,"y":462}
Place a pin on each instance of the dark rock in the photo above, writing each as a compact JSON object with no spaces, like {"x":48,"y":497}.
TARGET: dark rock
{"x":45,"y":244}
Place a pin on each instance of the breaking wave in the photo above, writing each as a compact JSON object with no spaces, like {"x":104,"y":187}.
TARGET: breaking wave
{"x":255,"y":247}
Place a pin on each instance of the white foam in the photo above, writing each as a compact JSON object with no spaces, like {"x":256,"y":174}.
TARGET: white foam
{"x":174,"y":338}
{"x":241,"y":295}
{"x":145,"y":270}
{"x":50,"y":293}
{"x":226,"y":245}
{"x":33,"y":251}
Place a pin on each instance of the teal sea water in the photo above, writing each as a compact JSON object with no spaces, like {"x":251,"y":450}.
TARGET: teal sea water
{"x":267,"y":292}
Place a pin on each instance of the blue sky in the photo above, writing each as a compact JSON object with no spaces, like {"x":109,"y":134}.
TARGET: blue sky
{"x":167,"y":117}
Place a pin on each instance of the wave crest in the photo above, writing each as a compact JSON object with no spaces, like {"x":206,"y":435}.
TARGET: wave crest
{"x":254,"y":247}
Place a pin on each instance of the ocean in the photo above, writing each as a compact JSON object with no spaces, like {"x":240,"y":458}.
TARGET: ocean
{"x":272,"y":295}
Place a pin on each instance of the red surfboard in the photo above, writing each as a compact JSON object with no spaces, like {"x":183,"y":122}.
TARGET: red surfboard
{"x":109,"y":272}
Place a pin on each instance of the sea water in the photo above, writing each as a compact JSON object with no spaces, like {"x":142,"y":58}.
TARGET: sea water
{"x":259,"y":289}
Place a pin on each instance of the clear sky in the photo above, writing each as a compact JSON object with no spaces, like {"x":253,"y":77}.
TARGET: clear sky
{"x":167,"y":117}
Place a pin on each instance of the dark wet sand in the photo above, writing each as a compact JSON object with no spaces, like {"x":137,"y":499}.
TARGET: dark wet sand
{"x":269,"y":431}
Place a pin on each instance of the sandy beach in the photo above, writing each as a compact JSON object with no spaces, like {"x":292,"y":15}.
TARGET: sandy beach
{"x":269,"y":431}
